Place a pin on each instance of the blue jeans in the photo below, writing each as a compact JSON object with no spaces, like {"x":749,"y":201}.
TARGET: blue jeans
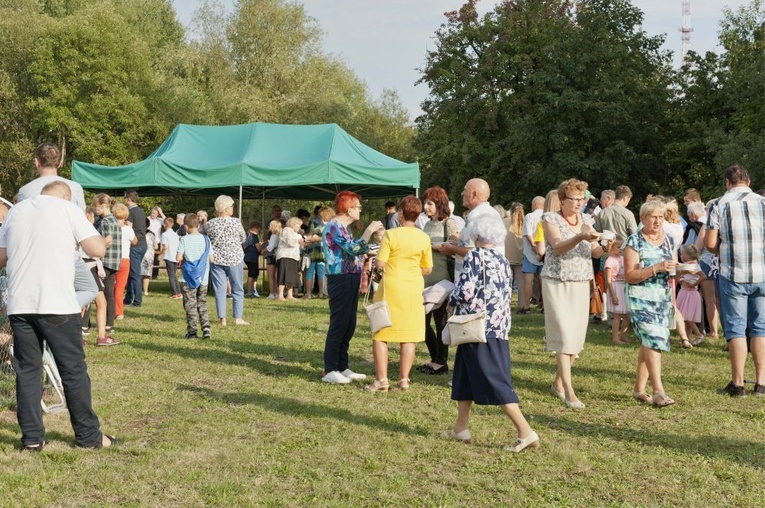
{"x":134,"y":290}
{"x":742,"y":306}
{"x":63,"y":334}
{"x":219,"y":274}
{"x":343,"y":293}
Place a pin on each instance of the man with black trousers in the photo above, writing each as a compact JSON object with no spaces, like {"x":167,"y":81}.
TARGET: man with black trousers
{"x":137,"y":219}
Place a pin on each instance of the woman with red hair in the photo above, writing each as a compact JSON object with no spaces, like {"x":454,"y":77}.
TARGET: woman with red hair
{"x":405,"y":256}
{"x":342,"y":256}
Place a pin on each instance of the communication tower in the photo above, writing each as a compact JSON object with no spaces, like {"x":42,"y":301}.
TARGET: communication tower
{"x":685,"y":30}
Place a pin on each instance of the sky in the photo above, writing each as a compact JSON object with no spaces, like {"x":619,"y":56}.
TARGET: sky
{"x":385,"y":41}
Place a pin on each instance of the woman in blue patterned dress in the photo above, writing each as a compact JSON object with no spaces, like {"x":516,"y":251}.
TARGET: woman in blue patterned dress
{"x":482,"y":371}
{"x":648,"y":259}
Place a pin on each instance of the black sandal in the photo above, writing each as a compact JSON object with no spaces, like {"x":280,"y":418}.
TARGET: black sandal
{"x":443,"y":369}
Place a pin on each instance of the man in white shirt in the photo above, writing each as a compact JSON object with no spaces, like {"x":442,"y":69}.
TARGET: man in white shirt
{"x":42,"y":306}
{"x":475,"y":196}
{"x":532,"y":261}
{"x":47,"y":161}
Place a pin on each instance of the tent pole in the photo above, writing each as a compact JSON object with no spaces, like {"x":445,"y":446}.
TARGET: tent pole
{"x":240,"y":203}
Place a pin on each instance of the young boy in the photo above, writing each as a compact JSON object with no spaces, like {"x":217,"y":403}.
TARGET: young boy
{"x":195,"y":251}
{"x":169,"y":252}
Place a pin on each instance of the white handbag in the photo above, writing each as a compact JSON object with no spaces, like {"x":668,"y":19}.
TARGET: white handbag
{"x":378,"y":314}
{"x":467,"y":328}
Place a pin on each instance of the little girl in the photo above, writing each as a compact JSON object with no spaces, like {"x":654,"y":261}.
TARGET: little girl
{"x":617,"y":302}
{"x":689,"y":299}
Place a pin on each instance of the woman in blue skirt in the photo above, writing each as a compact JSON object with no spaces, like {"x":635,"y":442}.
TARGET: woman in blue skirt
{"x":482,"y":371}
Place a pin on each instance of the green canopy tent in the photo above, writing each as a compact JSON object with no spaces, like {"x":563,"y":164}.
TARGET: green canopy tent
{"x":257,"y":160}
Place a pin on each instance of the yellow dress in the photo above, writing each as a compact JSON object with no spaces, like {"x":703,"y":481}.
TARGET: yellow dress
{"x":406,"y":250}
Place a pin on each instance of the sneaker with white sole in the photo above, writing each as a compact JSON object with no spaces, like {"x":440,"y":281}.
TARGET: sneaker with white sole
{"x":353,"y":376}
{"x":335,"y":377}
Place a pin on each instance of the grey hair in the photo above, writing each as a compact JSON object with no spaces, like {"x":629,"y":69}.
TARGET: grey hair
{"x":223,"y":202}
{"x":652,"y":206}
{"x":696,"y":209}
{"x":487,"y":228}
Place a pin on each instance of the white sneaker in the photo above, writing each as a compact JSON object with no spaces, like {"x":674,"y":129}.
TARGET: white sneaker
{"x":352,"y":375}
{"x":271,"y":297}
{"x":335,"y":377}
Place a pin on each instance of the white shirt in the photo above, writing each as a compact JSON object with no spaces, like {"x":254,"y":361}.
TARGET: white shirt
{"x":170,"y":238}
{"x":35,"y":187}
{"x":155,"y":226}
{"x":127,"y":237}
{"x":530,"y":222}
{"x":40,"y":282}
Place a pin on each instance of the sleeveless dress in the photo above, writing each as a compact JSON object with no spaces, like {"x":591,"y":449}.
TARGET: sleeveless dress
{"x":649,"y":302}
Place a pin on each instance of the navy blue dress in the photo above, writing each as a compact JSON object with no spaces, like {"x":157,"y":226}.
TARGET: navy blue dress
{"x":482,"y":371}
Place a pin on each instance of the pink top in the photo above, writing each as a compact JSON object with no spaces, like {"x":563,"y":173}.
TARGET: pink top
{"x":616,"y":264}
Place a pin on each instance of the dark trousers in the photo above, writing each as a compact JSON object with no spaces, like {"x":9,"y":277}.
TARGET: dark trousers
{"x":439,"y":352}
{"x":134,"y":290}
{"x":343,"y":293}
{"x":63,"y":335}
{"x":155,"y":267}
{"x":111,"y":307}
{"x":195,"y":305}
{"x":172,"y":276}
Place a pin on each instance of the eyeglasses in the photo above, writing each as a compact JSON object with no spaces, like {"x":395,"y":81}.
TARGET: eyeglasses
{"x":576,"y":200}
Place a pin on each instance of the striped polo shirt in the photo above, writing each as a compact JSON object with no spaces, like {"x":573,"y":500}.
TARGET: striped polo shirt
{"x":739,"y":215}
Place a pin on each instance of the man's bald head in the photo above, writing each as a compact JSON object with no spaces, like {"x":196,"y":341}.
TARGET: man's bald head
{"x":58,"y":189}
{"x":538,"y":203}
{"x":476,"y":191}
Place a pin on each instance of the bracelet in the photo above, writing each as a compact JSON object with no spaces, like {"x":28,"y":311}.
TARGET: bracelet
{"x":653,"y":269}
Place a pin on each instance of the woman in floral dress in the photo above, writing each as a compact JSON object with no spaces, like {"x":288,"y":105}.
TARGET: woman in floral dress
{"x":648,"y":258}
{"x":482,"y":371}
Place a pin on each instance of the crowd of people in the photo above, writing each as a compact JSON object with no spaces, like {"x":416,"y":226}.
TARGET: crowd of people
{"x":656,"y":272}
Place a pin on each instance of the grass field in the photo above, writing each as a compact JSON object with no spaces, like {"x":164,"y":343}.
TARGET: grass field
{"x":243,"y":420}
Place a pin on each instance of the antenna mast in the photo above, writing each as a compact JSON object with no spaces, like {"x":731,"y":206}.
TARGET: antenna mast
{"x":685,"y":31}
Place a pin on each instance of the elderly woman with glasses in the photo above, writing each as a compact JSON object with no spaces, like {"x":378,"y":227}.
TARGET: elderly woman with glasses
{"x":226,"y":237}
{"x":482,"y":370}
{"x":570,"y":245}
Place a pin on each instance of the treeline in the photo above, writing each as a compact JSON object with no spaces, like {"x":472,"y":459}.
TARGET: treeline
{"x":109,"y":79}
{"x":531,"y":93}
{"x":541,"y":90}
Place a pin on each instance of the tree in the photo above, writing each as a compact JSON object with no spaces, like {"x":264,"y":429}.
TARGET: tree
{"x":542,"y":90}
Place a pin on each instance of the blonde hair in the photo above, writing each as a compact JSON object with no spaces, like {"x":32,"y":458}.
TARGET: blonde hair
{"x":691,"y":252}
{"x":652,"y":205}
{"x":326,"y":213}
{"x":552,"y":201}
{"x":120,"y":211}
{"x":294,"y":221}
{"x":223,"y":202}
{"x":102,"y":199}
{"x":672,"y":216}
{"x":275,"y":227}
{"x":516,"y":219}
{"x":572,"y":184}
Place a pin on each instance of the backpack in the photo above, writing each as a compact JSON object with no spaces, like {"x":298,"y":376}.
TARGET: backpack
{"x":193,"y":272}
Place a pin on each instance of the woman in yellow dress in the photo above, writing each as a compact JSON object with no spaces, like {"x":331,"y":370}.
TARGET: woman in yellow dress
{"x":405,"y":257}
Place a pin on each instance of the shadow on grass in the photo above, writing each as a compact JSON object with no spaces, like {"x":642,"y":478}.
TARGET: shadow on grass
{"x":743,"y":452}
{"x":240,"y":355}
{"x":298,"y":408}
{"x":15,"y":430}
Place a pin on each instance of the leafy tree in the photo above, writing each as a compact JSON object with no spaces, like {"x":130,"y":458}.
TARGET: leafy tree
{"x":537,"y":91}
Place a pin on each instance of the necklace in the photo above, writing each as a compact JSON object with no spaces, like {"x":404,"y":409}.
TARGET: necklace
{"x":652,"y":238}
{"x":576,"y":220}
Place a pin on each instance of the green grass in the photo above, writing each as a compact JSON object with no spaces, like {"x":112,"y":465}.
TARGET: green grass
{"x":243,"y":420}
